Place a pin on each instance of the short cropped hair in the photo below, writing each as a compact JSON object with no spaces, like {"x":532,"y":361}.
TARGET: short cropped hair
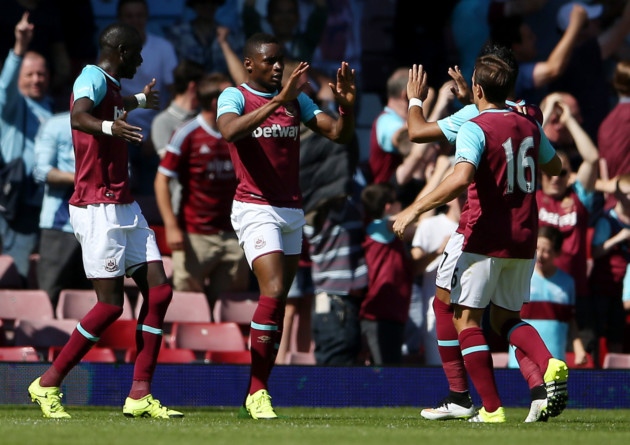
{"x":375,"y":197}
{"x":117,"y":34}
{"x":185,"y":72}
{"x":256,"y":40}
{"x":209,"y":88}
{"x":495,"y":76}
{"x":502,"y":52}
{"x":553,"y":234}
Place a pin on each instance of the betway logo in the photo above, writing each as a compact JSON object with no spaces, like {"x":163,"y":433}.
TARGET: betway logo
{"x":568,"y":220}
{"x":118,"y":112}
{"x":276,"y":131}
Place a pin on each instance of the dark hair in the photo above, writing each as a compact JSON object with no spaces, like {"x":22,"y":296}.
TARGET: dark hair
{"x":117,"y":34}
{"x":553,"y":234}
{"x":256,"y":40}
{"x":621,"y":77}
{"x":495,"y":77}
{"x":502,"y":52}
{"x":209,"y":88}
{"x":185,"y":72}
{"x":375,"y":197}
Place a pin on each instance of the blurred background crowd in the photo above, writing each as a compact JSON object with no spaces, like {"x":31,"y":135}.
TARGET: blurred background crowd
{"x":574,"y":63}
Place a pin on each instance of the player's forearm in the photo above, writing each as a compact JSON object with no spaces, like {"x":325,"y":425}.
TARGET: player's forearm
{"x":163,"y":200}
{"x":234,"y":127}
{"x":420,"y":130}
{"x":558,"y":60}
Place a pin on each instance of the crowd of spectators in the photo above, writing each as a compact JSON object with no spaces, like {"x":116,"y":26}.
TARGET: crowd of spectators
{"x":574,"y":63}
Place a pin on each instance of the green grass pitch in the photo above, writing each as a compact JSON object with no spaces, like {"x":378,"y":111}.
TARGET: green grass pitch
{"x":23,"y":425}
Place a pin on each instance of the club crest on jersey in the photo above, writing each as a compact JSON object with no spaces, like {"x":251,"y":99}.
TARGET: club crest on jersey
{"x":111,"y":265}
{"x":260,"y":243}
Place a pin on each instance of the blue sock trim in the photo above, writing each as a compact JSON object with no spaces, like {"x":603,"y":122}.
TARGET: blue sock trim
{"x":149,"y":329}
{"x":86,"y":334}
{"x":448,"y":343}
{"x":264,"y":327}
{"x":475,"y":349}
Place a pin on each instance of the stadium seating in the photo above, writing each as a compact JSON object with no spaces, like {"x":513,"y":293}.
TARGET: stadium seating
{"x":207,"y":336}
{"x":237,"y":307}
{"x":16,"y":304}
{"x":18,"y":354}
{"x":25,"y":303}
{"x":9,"y":275}
{"x":43,"y":333}
{"x":614,"y":360}
{"x":75,"y":303}
{"x":120,"y":335}
{"x":96,"y":354}
{"x":570,"y":360}
{"x":185,"y":306}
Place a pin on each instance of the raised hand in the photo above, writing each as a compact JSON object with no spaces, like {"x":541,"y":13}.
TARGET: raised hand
{"x":222,"y":33}
{"x":460,"y":89}
{"x":295,"y":84}
{"x":345,"y":90}
{"x":23,"y":35}
{"x":153,"y":96}
{"x":417,"y":86}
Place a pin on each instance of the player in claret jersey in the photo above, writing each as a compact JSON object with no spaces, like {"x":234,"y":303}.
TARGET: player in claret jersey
{"x":481,"y":170}
{"x":115,"y":238}
{"x":261,"y":120}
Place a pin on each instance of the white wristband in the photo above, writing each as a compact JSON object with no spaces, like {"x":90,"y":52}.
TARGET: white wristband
{"x":106,"y":127}
{"x":142,"y":100}
{"x":415,"y":102}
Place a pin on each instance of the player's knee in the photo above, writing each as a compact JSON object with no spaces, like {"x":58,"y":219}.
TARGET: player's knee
{"x":161,"y":296}
{"x":505,"y":327}
{"x":109,"y":312}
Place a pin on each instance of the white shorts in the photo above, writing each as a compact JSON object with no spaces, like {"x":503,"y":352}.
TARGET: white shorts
{"x":480,"y":279}
{"x":263,"y":229}
{"x":448,"y":262}
{"x":115,"y":239}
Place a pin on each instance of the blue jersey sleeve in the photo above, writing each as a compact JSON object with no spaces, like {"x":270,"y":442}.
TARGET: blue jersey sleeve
{"x":450,"y":125}
{"x":586,"y":198}
{"x":470,"y":144}
{"x":626,"y":285}
{"x":386,"y":125}
{"x":231,"y":100}
{"x":601,"y":232}
{"x":308,"y":108}
{"x":546,"y":150}
{"x":92,"y":84}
